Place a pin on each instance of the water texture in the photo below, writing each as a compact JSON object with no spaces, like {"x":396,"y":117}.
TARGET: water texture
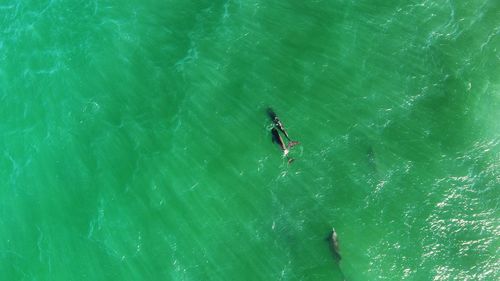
{"x":135,"y":143}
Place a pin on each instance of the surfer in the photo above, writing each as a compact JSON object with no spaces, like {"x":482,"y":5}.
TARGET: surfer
{"x":277,"y":123}
{"x":279,"y":140}
{"x":275,"y":133}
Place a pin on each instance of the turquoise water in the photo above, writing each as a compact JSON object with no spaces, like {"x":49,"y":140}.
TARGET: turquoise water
{"x":135,"y":144}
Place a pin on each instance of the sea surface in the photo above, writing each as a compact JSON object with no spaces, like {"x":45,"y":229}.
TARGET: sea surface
{"x":135,"y":145}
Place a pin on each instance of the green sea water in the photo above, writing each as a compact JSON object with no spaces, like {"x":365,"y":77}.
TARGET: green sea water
{"x":135,"y":143}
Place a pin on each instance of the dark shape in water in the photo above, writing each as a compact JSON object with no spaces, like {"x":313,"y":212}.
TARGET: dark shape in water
{"x":371,"y":159}
{"x":277,"y":123}
{"x":334,"y":244}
